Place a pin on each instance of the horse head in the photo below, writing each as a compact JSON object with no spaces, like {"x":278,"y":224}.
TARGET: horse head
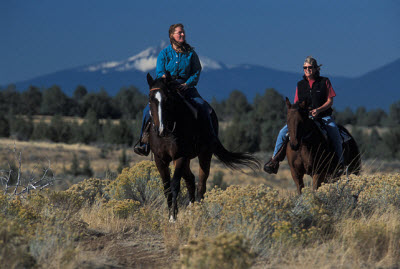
{"x":161,"y":101}
{"x":297,"y":117}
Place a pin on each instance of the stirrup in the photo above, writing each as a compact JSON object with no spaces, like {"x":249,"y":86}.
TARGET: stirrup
{"x":272,"y":166}
{"x":141,"y":149}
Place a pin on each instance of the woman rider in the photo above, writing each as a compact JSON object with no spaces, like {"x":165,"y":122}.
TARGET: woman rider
{"x":319,"y":93}
{"x":182,"y":62}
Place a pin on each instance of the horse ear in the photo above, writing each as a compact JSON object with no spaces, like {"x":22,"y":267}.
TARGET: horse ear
{"x":303,"y":104}
{"x":288,"y":104}
{"x":150,"y":80}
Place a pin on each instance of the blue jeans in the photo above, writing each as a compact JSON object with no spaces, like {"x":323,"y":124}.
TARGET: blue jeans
{"x":146,"y":119}
{"x":332,"y":130}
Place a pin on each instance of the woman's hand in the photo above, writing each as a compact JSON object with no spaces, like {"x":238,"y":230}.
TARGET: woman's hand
{"x":183,"y":87}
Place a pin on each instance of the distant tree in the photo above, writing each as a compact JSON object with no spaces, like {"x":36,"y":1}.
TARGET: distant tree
{"x":100,"y":103}
{"x":219,"y":108}
{"x":74,"y":170}
{"x":77,"y":101}
{"x":120,"y":133}
{"x":241,"y":135}
{"x":345,"y":117}
{"x":129,"y":102}
{"x":40,"y":131}
{"x":86,"y":168}
{"x":54,"y":102}
{"x":20,"y":128}
{"x":394,"y":113}
{"x":31,"y":101}
{"x":269,"y":117}
{"x":123,"y":161}
{"x":10,"y":100}
{"x":236,"y":104}
{"x":79,"y":93}
{"x":90,"y":128}
{"x":4,"y":127}
{"x":59,"y":130}
{"x":361,"y":114}
{"x":374,"y":117}
{"x":391,"y":140}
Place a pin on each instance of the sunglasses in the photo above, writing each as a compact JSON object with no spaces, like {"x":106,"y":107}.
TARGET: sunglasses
{"x":308,"y":67}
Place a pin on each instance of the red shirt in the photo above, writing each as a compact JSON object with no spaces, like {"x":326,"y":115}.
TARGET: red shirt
{"x":331,"y":92}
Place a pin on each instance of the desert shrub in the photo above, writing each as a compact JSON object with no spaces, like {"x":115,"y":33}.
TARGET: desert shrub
{"x":90,"y":190}
{"x":379,"y":192}
{"x":3,"y":202}
{"x":375,"y":239}
{"x":227,"y":250}
{"x":252,"y":211}
{"x":67,"y":202}
{"x":142,"y":183}
{"x":22,"y":212}
{"x":123,"y":208}
{"x":13,"y":250}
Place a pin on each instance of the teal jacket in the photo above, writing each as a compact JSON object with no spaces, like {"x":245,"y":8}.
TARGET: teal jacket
{"x":184,"y":65}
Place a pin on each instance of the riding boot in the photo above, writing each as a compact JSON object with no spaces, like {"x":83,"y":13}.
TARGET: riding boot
{"x":142,"y":147}
{"x":272,"y":166}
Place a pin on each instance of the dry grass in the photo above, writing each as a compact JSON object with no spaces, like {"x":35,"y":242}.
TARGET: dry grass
{"x":353,"y":223}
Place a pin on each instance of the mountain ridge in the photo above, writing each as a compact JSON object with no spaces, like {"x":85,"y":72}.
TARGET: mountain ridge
{"x":375,"y":89}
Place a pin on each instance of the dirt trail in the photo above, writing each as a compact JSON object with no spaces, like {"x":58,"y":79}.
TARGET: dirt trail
{"x":129,"y":250}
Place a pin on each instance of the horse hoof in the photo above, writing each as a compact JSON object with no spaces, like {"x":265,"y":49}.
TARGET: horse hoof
{"x":172,"y":219}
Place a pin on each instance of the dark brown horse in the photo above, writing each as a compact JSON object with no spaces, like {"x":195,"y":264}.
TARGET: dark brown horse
{"x":309,"y":151}
{"x":178,"y":133}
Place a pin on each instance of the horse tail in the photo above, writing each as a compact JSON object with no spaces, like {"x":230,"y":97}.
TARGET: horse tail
{"x":234,"y":160}
{"x":351,"y":153}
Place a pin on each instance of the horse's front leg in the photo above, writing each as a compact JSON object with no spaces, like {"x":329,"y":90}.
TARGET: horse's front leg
{"x":163,"y":169}
{"x":190,"y":181}
{"x":176,"y":185}
{"x":297,"y":178}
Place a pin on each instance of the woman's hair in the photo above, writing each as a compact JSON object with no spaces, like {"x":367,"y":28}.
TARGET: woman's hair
{"x":180,"y":47}
{"x":313,"y":62}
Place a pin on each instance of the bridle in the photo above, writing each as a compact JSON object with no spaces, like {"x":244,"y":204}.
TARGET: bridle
{"x":173,"y":129}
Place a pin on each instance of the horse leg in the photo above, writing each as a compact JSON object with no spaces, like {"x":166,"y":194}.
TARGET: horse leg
{"x":317,"y":180}
{"x":190,"y":182}
{"x":204,"y":172}
{"x":176,"y":185}
{"x":163,"y":169}
{"x":298,"y":179}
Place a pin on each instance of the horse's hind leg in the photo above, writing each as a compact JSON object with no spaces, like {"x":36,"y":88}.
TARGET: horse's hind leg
{"x":163,"y":169}
{"x":204,"y":172}
{"x":190,"y":182}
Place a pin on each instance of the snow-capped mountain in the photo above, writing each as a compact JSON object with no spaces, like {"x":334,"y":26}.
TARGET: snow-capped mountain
{"x":145,"y":61}
{"x":376,"y":89}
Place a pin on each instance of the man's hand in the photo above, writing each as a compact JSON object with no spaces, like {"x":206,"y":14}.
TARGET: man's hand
{"x":314,"y":112}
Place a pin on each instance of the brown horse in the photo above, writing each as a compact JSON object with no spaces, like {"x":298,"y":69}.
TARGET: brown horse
{"x":178,"y":133}
{"x":309,"y":151}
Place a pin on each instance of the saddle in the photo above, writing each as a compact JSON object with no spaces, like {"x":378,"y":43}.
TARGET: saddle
{"x":321,"y":126}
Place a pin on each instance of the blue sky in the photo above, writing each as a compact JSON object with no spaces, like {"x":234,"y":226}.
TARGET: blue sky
{"x":348,"y":37}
